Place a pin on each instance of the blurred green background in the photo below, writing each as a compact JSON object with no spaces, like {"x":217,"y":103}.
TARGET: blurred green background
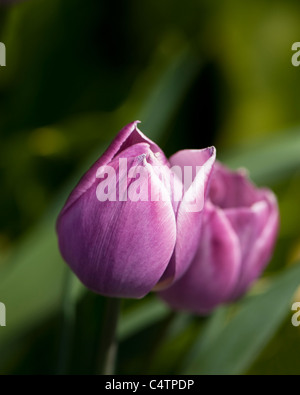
{"x":196,"y":73}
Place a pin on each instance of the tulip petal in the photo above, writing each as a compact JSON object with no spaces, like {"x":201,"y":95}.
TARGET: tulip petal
{"x":213,"y":273}
{"x":188,"y":221}
{"x":127,"y":137}
{"x":257,"y":229}
{"x":230,"y":189}
{"x":118,"y":248}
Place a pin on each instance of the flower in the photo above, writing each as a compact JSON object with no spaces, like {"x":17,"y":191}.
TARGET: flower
{"x":240,"y":226}
{"x":125,"y":229}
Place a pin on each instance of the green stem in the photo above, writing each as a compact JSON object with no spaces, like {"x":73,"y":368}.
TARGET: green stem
{"x":68,"y":308}
{"x":108,"y":348}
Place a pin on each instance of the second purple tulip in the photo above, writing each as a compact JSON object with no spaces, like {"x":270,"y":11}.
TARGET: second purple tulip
{"x":240,"y":226}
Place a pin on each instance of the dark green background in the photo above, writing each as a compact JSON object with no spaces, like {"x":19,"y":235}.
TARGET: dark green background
{"x":196,"y":73}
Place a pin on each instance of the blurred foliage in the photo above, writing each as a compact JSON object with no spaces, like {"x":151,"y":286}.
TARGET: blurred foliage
{"x":196,"y":73}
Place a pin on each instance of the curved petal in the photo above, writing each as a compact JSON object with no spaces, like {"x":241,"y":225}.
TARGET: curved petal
{"x":232,"y":189}
{"x":127,"y":137}
{"x":257,"y":229}
{"x":118,"y":248}
{"x":213,"y":273}
{"x":190,"y":209}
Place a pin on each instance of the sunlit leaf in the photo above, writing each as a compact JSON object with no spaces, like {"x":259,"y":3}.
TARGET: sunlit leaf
{"x":269,"y":160}
{"x":235,"y":347}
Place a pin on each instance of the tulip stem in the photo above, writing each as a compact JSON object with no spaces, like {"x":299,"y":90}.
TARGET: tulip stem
{"x":108,"y":348}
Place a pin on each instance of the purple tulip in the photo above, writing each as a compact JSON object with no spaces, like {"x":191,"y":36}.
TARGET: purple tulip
{"x":240,"y":226}
{"x":118,"y":240}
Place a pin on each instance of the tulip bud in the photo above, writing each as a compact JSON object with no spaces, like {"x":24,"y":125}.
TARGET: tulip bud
{"x":130,"y":224}
{"x":240,"y":225}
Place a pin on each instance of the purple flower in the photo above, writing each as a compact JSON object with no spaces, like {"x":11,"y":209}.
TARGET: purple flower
{"x":125,"y":229}
{"x":239,"y":231}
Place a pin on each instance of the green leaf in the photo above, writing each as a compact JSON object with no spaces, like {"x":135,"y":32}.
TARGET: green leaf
{"x":145,"y":313}
{"x":31,"y":281}
{"x":234,"y":348}
{"x":168,"y":93}
{"x":268,"y":161}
